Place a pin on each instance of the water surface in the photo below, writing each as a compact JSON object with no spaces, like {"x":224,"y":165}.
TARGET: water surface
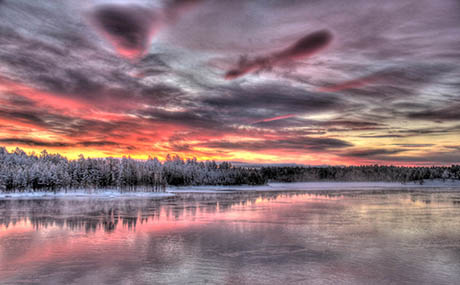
{"x":234,"y":238}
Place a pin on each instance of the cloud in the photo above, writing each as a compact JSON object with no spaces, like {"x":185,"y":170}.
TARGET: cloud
{"x":177,"y":8}
{"x":276,"y":97}
{"x":449,"y":113}
{"x":306,"y":46}
{"x":354,"y":83}
{"x":369,"y":153}
{"x":129,"y":28}
{"x":381,"y":136}
{"x":390,"y":83}
{"x":275,"y":118}
{"x":293,"y":144}
{"x":59,"y":78}
{"x":428,"y":158}
{"x":32,"y":142}
{"x":415,"y":145}
{"x":303,"y":48}
{"x":97,"y":143}
{"x":58,"y":144}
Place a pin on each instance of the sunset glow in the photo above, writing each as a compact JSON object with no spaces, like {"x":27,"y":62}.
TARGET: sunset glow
{"x":246,"y":81}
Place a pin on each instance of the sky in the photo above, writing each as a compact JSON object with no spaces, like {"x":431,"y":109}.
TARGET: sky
{"x":260,"y":81}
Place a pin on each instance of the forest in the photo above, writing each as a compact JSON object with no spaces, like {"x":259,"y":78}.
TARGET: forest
{"x":21,"y":172}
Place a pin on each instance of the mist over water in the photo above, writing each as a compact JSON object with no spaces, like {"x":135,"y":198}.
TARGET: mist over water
{"x":234,"y":238}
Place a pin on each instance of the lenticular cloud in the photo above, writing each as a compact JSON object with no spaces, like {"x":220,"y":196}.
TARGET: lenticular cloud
{"x":303,"y":48}
{"x":128,"y":28}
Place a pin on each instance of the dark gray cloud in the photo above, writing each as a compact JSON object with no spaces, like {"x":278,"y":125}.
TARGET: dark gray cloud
{"x":127,"y":28}
{"x":32,"y":142}
{"x":381,"y":136}
{"x":334,"y":125}
{"x":98,"y":143}
{"x":293,"y":144}
{"x":388,"y":85}
{"x":273,"y":97}
{"x":430,"y":131}
{"x":449,"y":113}
{"x":370,"y":153}
{"x":415,"y":145}
{"x":428,"y":158}
{"x":53,"y":144}
{"x":302,"y":48}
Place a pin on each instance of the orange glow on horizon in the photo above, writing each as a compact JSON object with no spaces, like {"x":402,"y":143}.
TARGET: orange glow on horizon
{"x":108,"y":129}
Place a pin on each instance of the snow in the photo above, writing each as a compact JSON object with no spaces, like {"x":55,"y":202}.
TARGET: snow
{"x":298,"y":186}
{"x":318,"y":186}
{"x":105,"y":194}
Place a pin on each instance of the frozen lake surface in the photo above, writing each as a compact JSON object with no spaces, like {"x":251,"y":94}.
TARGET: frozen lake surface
{"x":409,"y":236}
{"x":428,"y":185}
{"x":431,"y":185}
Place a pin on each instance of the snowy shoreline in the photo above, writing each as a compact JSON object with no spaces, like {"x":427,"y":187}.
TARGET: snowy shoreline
{"x":435,"y":185}
{"x":104,"y":194}
{"x":320,"y":186}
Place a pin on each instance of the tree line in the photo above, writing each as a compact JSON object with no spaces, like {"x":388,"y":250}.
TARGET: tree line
{"x":52,"y":172}
{"x":20,"y":172}
{"x":375,"y":173}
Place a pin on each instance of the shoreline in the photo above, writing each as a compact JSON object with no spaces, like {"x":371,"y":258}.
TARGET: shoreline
{"x":270,"y":187}
{"x":318,"y":186}
{"x":85,"y":195}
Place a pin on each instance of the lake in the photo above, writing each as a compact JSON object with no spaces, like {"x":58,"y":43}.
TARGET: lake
{"x":334,"y":237}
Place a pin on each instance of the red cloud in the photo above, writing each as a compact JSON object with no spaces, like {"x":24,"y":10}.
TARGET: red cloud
{"x":355,"y":83}
{"x":275,"y":118}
